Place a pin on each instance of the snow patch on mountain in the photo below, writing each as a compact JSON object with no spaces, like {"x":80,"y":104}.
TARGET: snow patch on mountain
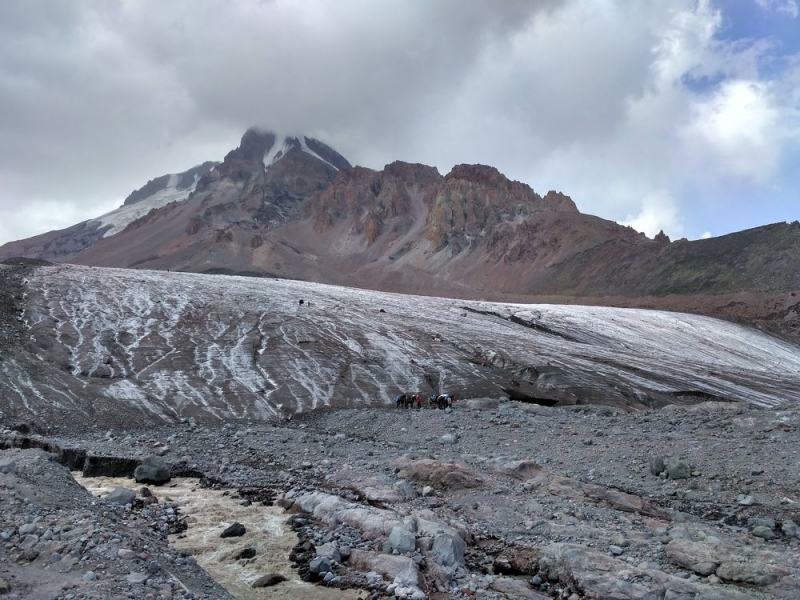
{"x":307,"y":150}
{"x":123,"y":216}
{"x":283,"y":144}
{"x":277,"y":151}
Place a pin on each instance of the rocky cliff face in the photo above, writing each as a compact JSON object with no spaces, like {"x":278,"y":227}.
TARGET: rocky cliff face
{"x":371,"y":202}
{"x":474,"y":200}
{"x":293,"y":207}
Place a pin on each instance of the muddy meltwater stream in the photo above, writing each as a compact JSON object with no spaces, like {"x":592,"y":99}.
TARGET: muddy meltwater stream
{"x":208,"y":513}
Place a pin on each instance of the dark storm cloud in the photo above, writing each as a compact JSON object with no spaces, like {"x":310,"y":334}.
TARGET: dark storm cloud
{"x":98,"y":97}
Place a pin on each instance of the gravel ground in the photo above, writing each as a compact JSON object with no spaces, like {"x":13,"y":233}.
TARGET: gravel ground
{"x":551,"y":502}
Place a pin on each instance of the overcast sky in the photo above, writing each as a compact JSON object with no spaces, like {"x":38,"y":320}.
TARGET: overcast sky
{"x":674,"y":114}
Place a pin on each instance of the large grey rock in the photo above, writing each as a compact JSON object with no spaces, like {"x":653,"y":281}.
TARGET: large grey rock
{"x":679,"y":469}
{"x":399,"y":569}
{"x":657,"y":465}
{"x":448,"y":549}
{"x":602,"y":577}
{"x":438,"y":474}
{"x":233,"y":530}
{"x":406,"y":488}
{"x":789,"y":528}
{"x":329,"y":550}
{"x":624,"y":502}
{"x":763,"y":532}
{"x":762,"y":522}
{"x":153,"y":470}
{"x":28,"y":528}
{"x":402,"y":540}
{"x":701,"y":558}
{"x":515,"y":589}
{"x":7,"y":465}
{"x":676,"y":588}
{"x":121,"y":495}
{"x":320,"y":565}
{"x":752,"y":571}
{"x":29,"y":541}
{"x":372,"y":522}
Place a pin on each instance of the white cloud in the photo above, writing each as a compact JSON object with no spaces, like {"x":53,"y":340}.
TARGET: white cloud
{"x":706,"y":235}
{"x":787,"y":7}
{"x":659,"y":212}
{"x":738,"y":131}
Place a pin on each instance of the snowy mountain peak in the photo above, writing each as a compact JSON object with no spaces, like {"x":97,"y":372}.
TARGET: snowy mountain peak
{"x":283,"y":144}
{"x":271,"y":147}
{"x":156,"y":193}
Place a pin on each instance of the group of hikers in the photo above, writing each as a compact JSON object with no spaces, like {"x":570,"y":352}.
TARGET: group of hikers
{"x":414,"y":400}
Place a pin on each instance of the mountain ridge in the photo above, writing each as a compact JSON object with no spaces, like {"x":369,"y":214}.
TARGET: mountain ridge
{"x":293,"y":207}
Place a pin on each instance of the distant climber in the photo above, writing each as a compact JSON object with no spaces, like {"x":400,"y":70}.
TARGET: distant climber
{"x":445,"y":401}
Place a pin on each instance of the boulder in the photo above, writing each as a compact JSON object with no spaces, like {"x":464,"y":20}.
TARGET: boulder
{"x":234,"y":530}
{"x":518,"y":469}
{"x":657,"y":465}
{"x":28,"y":528}
{"x":121,"y":495}
{"x":517,"y":561}
{"x":246,"y":553}
{"x":676,"y":588}
{"x":753,"y":572}
{"x":448,"y":549}
{"x":399,"y":569}
{"x":320,"y":565}
{"x":406,"y":488}
{"x":624,"y":502}
{"x":596,"y":574}
{"x":701,"y":558}
{"x":372,"y":522}
{"x":678,"y":469}
{"x":268,"y":580}
{"x":515,"y":589}
{"x":438,"y":474}
{"x":329,"y":550}
{"x":8,"y":465}
{"x":378,"y":489}
{"x":402,"y":540}
{"x":153,"y":470}
{"x":789,"y":528}
{"x":763,"y":532}
{"x":29,"y":541}
{"x":762,"y":522}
